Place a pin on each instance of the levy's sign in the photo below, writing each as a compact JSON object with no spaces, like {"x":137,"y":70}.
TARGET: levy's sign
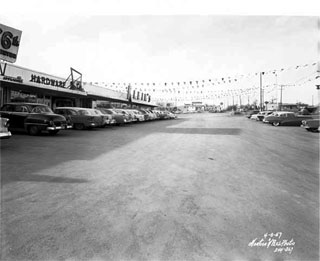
{"x":9,"y":43}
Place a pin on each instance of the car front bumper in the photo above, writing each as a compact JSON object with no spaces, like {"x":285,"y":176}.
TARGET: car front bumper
{"x":64,"y":127}
{"x":5,"y":135}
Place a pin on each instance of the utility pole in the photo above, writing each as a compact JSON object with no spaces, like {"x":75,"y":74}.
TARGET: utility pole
{"x":280,"y":106}
{"x":261,"y":95}
{"x":276,"y":87}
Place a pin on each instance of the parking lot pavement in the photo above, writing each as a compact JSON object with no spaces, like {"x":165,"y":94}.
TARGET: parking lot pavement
{"x":202,"y":187}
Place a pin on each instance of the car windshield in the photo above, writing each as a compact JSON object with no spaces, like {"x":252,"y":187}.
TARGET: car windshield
{"x":98,"y":112}
{"x":41,"y":109}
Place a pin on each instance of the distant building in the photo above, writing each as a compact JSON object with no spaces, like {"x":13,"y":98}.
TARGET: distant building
{"x":295,"y":107}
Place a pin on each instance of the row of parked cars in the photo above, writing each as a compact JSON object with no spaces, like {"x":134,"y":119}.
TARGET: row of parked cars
{"x":35,"y":118}
{"x":286,"y":118}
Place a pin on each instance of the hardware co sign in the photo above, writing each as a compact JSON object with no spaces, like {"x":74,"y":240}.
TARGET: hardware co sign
{"x":9,"y":43}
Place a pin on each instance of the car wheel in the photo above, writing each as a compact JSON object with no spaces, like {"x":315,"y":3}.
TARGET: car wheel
{"x":78,"y":126}
{"x":34,"y":130}
{"x":276,"y":123}
{"x":53,"y":132}
{"x":313,"y":129}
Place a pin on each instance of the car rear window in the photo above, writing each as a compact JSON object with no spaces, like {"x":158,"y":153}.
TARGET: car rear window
{"x":83,"y":112}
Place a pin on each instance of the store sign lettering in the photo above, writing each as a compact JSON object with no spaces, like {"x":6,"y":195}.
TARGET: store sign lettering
{"x":9,"y":43}
{"x":47,"y":81}
{"x":13,"y":79}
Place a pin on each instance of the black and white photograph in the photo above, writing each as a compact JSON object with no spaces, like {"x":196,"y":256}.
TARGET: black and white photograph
{"x":159,"y":130}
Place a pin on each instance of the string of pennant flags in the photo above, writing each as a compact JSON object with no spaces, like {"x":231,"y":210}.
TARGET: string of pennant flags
{"x":203,"y":88}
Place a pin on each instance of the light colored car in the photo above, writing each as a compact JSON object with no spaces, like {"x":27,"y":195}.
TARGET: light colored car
{"x":4,"y":132}
{"x":262,"y":114}
{"x":132,"y":114}
{"x":171,"y":115}
{"x":138,"y":115}
{"x":145,"y":114}
{"x":117,"y":118}
{"x":254,"y":117}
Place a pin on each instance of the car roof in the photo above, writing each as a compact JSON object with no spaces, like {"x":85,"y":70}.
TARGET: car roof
{"x":72,"y":108}
{"x":24,"y":103}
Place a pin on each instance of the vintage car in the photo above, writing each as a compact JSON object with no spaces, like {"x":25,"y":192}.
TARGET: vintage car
{"x":285,"y":118}
{"x":4,"y":131}
{"x":137,"y":115}
{"x":251,"y":112}
{"x":145,"y":114}
{"x":106,"y":119}
{"x":33,"y":118}
{"x":254,"y":117}
{"x":312,"y":125}
{"x":262,"y":114}
{"x":117,"y":118}
{"x":132,"y":114}
{"x":127,"y":116}
{"x":81,"y":118}
{"x":171,"y":115}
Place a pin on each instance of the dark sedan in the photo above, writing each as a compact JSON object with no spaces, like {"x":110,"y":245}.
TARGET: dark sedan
{"x":284,"y":118}
{"x":33,"y":118}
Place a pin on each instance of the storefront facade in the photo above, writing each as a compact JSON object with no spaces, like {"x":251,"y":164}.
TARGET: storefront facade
{"x":18,"y":84}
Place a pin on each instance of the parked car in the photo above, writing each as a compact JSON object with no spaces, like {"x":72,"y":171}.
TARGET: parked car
{"x":152,"y":116}
{"x":138,"y":115}
{"x":117,"y":117}
{"x":262,"y":114}
{"x":4,"y":131}
{"x":285,"y":119}
{"x":132,"y":114}
{"x":105,"y":118}
{"x":251,"y":112}
{"x":109,"y":120}
{"x":254,"y":117}
{"x":171,"y":115}
{"x":145,"y":114}
{"x":127,"y":116}
{"x":312,"y":125}
{"x":33,"y":118}
{"x":163,"y":115}
{"x":81,"y":118}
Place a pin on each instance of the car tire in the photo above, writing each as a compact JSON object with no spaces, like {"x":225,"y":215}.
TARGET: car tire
{"x":314,"y":129}
{"x":78,"y":126}
{"x":53,"y":132}
{"x":34,"y":130}
{"x":276,"y":123}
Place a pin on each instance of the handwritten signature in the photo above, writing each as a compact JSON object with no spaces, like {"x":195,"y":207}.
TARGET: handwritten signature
{"x":273,"y":240}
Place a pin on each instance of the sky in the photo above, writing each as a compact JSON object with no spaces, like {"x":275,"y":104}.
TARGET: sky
{"x":162,"y":41}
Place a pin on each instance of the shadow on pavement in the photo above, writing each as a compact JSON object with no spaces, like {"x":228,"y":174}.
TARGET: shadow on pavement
{"x":46,"y":178}
{"x":22,"y":155}
{"x":207,"y":131}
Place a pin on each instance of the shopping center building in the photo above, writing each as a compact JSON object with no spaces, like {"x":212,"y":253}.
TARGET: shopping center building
{"x":18,"y":84}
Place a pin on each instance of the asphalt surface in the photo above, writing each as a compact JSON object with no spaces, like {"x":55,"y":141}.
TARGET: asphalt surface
{"x":201,"y":187}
